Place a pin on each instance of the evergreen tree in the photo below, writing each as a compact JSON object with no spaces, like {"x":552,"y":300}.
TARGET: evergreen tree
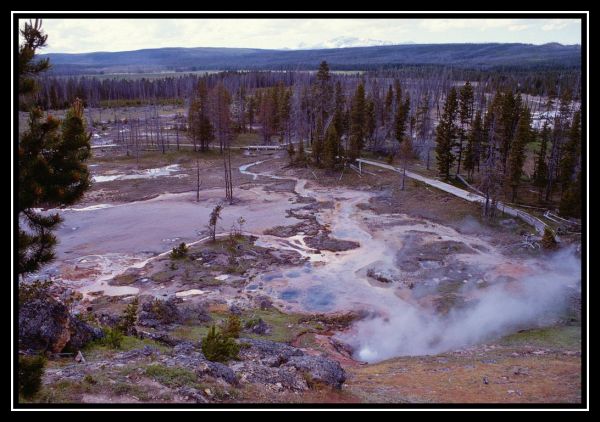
{"x":491,"y":161}
{"x":323,"y":91}
{"x":338,"y":117}
{"x":517,"y":152}
{"x":330,"y":148}
{"x":28,"y":68}
{"x":465,"y":114}
{"x":51,"y":156}
{"x":389,"y":103}
{"x":357,"y":122}
{"x":559,"y":135}
{"x":200,"y":126}
{"x":474,"y":143}
{"x":570,"y":202}
{"x":540,"y":175}
{"x":507,"y":123}
{"x":570,"y":171}
{"x":446,"y":135}
{"x":570,"y":153}
{"x":402,"y":111}
{"x":370,"y":120}
{"x":317,"y":146}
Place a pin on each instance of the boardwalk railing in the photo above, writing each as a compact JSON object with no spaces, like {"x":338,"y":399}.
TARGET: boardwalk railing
{"x":535,"y":222}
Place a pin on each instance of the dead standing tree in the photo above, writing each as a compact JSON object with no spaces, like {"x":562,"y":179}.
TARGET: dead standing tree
{"x":198,"y":183}
{"x":221,"y":116}
{"x":215,"y":216}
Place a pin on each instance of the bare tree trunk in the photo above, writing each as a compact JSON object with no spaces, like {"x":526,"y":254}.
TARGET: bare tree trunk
{"x":198,"y":181}
{"x":230,"y":175}
{"x":177,"y":134}
{"x":403,"y":175}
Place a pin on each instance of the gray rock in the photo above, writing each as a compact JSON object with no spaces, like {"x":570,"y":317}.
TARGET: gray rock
{"x":278,"y":378}
{"x":269,"y":352}
{"x":82,"y":333}
{"x":195,"y":312}
{"x":46,"y":325}
{"x":192,"y":394}
{"x":160,"y":337}
{"x":319,"y":369}
{"x":217,"y":370}
{"x":138,"y":353}
{"x":157,"y":312}
{"x":235,"y":310}
{"x":184,"y":348}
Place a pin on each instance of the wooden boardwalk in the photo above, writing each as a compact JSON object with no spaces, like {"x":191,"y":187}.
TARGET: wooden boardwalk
{"x":538,"y":224}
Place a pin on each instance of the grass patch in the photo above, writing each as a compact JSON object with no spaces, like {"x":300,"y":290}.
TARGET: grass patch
{"x":278,"y":322}
{"x":64,"y":391}
{"x":99,"y":350}
{"x":171,"y":376}
{"x":190,"y":332}
{"x":559,"y":337}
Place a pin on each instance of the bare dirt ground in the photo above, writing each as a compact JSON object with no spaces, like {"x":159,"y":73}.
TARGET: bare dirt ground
{"x":483,"y":374}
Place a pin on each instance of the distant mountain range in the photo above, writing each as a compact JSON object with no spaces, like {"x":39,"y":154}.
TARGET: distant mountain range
{"x":489,"y":55}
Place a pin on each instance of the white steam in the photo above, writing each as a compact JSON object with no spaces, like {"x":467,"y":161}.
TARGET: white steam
{"x":491,"y":312}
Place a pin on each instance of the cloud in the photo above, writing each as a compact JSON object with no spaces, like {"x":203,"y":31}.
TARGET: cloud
{"x":557,"y":24}
{"x":85,"y":35}
{"x":518,"y":27}
{"x":442,"y":25}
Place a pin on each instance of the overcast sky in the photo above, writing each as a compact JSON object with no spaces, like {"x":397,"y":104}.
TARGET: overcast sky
{"x":85,"y":35}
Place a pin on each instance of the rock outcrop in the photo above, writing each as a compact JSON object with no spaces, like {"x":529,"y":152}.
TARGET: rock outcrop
{"x":157,"y":312}
{"x":45,"y":324}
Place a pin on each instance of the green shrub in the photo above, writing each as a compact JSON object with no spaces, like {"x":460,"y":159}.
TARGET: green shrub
{"x":113,"y":337}
{"x":90,"y":379}
{"x":180,"y":251}
{"x":129,"y":317}
{"x":31,"y":370}
{"x":252,"y":322}
{"x":232,"y":326}
{"x":219,"y":348}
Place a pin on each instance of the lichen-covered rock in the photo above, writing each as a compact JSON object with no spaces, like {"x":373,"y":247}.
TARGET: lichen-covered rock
{"x":278,"y":378}
{"x":319,"y":369}
{"x":82,"y":333}
{"x":267,"y":352}
{"x":46,"y":325}
{"x":196,"y":313}
{"x":217,"y":370}
{"x":146,"y":351}
{"x":157,"y":312}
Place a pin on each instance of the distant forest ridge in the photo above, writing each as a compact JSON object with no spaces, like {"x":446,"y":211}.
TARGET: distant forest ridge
{"x":477,"y":56}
